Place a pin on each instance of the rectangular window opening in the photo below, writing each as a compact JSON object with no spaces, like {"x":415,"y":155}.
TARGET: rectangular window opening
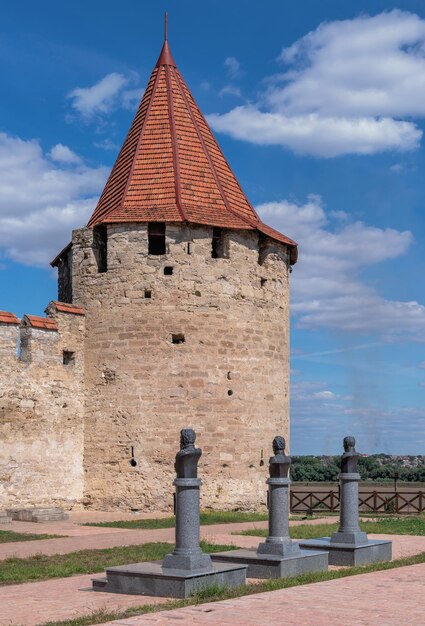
{"x":68,"y":357}
{"x":177,"y":338}
{"x":189,"y":247}
{"x":219,"y":244}
{"x":24,"y":346}
{"x":148,"y":293}
{"x":263,"y":281}
{"x":262,"y":247}
{"x":168,"y":270}
{"x":156,"y":238}
{"x":100,"y":248}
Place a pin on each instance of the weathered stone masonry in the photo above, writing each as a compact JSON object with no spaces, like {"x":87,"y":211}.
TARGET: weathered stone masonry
{"x":41,"y":409}
{"x":227,"y":376}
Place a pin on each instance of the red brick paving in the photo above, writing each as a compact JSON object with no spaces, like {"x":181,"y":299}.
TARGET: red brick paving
{"x":115,"y":537}
{"x":388,"y":598}
{"x":79,"y":537}
{"x":59,"y":599}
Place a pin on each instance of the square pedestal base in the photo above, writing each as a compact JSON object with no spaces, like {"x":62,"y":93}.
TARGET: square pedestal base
{"x":151,"y":579}
{"x":274,"y":566}
{"x":373,"y":551}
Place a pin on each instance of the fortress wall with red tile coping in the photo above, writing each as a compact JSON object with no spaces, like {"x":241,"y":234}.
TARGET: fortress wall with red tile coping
{"x":41,"y":409}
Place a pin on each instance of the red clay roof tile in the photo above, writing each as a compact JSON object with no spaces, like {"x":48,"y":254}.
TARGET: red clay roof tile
{"x":171,"y":168}
{"x":8,"y":318}
{"x":46,"y":323}
{"x":64,"y":307}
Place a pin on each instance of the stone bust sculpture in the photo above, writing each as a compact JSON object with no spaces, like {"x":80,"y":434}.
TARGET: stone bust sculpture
{"x":187,"y":458}
{"x":350,"y":457}
{"x":279,"y":464}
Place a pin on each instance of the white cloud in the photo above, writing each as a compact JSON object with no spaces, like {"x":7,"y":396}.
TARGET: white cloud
{"x":327,"y":288}
{"x":345,"y":88}
{"x":318,"y":424}
{"x":230,"y":90}
{"x":232,"y":66}
{"x":107,"y":144}
{"x":100,"y":97}
{"x":63,"y":154}
{"x":324,"y":395}
{"x":319,"y":136}
{"x":40,"y":202}
{"x":131,"y":98}
{"x":367,"y":66}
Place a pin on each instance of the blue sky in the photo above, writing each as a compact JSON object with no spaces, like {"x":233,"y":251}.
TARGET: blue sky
{"x":319,"y":108}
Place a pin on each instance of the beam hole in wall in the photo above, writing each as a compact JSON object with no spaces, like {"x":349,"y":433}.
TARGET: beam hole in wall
{"x":156,"y":238}
{"x":148,"y":293}
{"x":177,"y":338}
{"x":68,"y":357}
{"x":263,"y":281}
{"x":133,"y":462}
{"x":230,"y":392}
{"x":168,"y":270}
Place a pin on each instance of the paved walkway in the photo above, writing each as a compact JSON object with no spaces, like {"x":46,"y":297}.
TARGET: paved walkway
{"x":387,"y":598}
{"x":77,"y":537}
{"x":60,"y":599}
{"x":35,"y":603}
{"x":114,"y":537}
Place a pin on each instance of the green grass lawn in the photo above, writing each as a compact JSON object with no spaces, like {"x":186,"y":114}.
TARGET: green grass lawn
{"x":218,"y":594}
{"x":7,"y":536}
{"x":389,"y":526}
{"x":207,"y":517}
{"x":43,"y":567}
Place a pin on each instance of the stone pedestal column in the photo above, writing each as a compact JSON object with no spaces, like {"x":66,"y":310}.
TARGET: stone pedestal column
{"x":278,"y":541}
{"x":187,"y":570}
{"x":349,"y":529}
{"x":349,"y":545}
{"x":187,"y":553}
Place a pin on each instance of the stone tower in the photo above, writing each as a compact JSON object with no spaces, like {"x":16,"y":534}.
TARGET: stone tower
{"x":186,"y":295}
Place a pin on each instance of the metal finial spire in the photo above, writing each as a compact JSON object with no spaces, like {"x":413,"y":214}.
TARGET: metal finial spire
{"x":165,"y":26}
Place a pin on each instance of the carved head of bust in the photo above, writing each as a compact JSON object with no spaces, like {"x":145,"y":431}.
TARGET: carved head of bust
{"x":187,"y":438}
{"x":279,"y":445}
{"x":349,"y":443}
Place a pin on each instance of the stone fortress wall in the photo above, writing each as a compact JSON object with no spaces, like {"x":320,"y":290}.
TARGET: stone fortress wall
{"x":41,"y":408}
{"x":175,"y":340}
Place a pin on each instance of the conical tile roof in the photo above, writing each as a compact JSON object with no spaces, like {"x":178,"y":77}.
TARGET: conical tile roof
{"x":170,"y":167}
